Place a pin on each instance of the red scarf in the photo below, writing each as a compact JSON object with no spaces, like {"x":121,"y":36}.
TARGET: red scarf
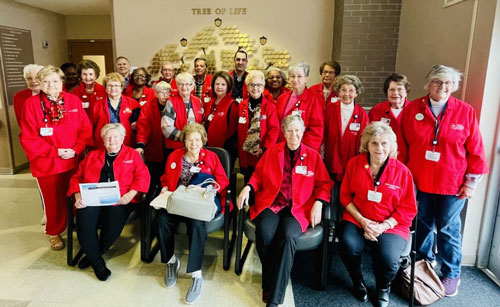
{"x":56,"y":110}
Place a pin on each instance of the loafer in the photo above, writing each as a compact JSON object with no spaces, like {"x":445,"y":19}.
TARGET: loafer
{"x":83,"y":263}
{"x":100,"y":270}
{"x":359,"y":291}
{"x":383,"y":297}
{"x":451,"y":285}
{"x":194,"y":291}
{"x":171,"y":273}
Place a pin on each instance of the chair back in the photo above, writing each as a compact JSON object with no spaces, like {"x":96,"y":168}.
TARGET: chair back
{"x":224,"y":158}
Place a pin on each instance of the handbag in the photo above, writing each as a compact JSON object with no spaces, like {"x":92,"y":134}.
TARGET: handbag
{"x":427,"y":287}
{"x":194,"y":201}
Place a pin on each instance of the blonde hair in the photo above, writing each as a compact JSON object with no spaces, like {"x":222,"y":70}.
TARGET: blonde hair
{"x":193,"y":128}
{"x":113,"y":126}
{"x":377,"y":128}
{"x":114,"y":76}
{"x":47,"y":70}
{"x":162,"y":85}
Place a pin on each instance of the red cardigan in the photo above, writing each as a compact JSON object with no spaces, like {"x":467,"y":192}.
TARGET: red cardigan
{"x":306,"y":188}
{"x":382,"y":112}
{"x":149,"y":132}
{"x":89,"y":100}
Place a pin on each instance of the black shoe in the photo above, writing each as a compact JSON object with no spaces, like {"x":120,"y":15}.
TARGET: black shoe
{"x":271,"y":305}
{"x":383,"y":297}
{"x":84,"y":263}
{"x":359,"y":291}
{"x":100,"y":270}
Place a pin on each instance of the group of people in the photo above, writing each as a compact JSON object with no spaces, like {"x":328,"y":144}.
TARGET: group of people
{"x":299,"y":148}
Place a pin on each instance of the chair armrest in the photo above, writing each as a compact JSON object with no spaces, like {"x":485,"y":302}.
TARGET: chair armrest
{"x":327,"y":215}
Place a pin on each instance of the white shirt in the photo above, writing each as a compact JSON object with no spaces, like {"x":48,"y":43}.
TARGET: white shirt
{"x":346,"y":111}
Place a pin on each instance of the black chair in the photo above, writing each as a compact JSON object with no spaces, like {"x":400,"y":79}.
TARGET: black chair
{"x":148,"y":231}
{"x":313,"y":238}
{"x":408,"y":258}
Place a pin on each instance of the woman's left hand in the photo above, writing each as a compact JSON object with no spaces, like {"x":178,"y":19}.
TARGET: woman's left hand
{"x":316,"y":211}
{"x":376,"y":229}
{"x":465,"y":192}
{"x":127,"y":197}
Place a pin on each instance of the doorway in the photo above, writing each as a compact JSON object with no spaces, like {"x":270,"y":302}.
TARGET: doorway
{"x":102,"y":48}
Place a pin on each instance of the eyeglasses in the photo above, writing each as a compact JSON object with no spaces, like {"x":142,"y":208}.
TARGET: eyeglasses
{"x":184,"y":84}
{"x":256,"y":85}
{"x":439,"y":83}
{"x":113,"y":86}
{"x":327,"y":72}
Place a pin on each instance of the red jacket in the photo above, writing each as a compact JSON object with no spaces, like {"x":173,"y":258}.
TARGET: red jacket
{"x":181,"y":117}
{"x":209,"y":164}
{"x":173,"y":86}
{"x":223,"y":121}
{"x":89,"y":100}
{"x":340,"y":148}
{"x":382,"y":112}
{"x":149,"y":132}
{"x":147,"y":94}
{"x":459,"y":143}
{"x":318,"y":88}
{"x":73,"y":131}
{"x":101,"y":117}
{"x":245,"y":89}
{"x":206,"y":90}
{"x":310,"y":107}
{"x":398,"y":195}
{"x":269,"y":129}
{"x":270,"y":96}
{"x":128,"y":169}
{"x":306,"y":189}
{"x":19,"y":99}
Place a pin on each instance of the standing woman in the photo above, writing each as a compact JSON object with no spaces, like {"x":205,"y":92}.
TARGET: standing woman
{"x":275,"y":83}
{"x":116,"y":108}
{"x":181,"y":109}
{"x":32,"y":89}
{"x":89,"y":90}
{"x":304,"y":102}
{"x":443,"y":147}
{"x":54,"y":132}
{"x":328,"y":70}
{"x":258,"y":127}
{"x":221,"y":115}
{"x":71,"y":80}
{"x":137,"y":88}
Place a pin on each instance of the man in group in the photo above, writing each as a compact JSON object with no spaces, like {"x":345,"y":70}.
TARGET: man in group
{"x":202,"y":80}
{"x":239,"y":74}
{"x":168,"y":75}
{"x":123,"y":68}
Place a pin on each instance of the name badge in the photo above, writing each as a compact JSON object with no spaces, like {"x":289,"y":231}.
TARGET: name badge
{"x":85,"y":105}
{"x":432,"y":155}
{"x":354,"y":126}
{"x":206,"y":99}
{"x":142,"y":103}
{"x":386,"y":121}
{"x":238,"y":100}
{"x":301,"y":169}
{"x":374,"y":196}
{"x":194,"y":169}
{"x":334,"y":99}
{"x":46,"y":131}
{"x":242,"y":120}
{"x":297,"y":112}
{"x":210,"y":117}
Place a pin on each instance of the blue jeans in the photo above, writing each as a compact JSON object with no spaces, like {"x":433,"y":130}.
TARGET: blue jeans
{"x":441,"y":212}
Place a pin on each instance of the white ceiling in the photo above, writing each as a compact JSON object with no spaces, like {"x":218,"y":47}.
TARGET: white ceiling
{"x":72,"y":7}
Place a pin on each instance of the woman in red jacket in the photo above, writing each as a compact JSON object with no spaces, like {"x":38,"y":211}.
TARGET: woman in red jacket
{"x":443,"y":147}
{"x":137,"y":87}
{"x":32,"y":89}
{"x":329,"y":70}
{"x":54,"y":133}
{"x":290,"y":184}
{"x":258,"y":125}
{"x":114,"y":163}
{"x":302,"y":101}
{"x":89,"y":91}
{"x":183,"y":167}
{"x":275,"y":83}
{"x":221,"y":115}
{"x":379,"y":199}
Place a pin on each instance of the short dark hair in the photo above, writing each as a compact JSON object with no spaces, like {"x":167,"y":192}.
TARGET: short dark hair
{"x":334,"y":64}
{"x":88,"y":64}
{"x":398,"y":78}
{"x":67,"y":65}
{"x":240,"y":51}
{"x":224,"y":75}
{"x":200,"y":59}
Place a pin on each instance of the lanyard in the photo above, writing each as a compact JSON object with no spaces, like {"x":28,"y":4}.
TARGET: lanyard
{"x":45,"y":114}
{"x":376,"y":180}
{"x":437,"y":122}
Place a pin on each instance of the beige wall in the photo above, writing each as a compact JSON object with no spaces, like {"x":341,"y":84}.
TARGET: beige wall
{"x":458,"y":36}
{"x":305,"y":33}
{"x":88,"y":27}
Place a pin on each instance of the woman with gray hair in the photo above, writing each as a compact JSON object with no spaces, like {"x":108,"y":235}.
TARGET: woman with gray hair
{"x":114,"y":162}
{"x":379,"y":199}
{"x":443,"y":147}
{"x":32,"y":88}
{"x":304,"y":102}
{"x":290,"y":184}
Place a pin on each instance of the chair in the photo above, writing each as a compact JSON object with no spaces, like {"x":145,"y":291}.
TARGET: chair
{"x":149,"y":251}
{"x":313,"y":238}
{"x":409,"y":257}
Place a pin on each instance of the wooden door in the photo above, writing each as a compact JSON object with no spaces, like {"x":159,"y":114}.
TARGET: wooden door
{"x":79,"y":48}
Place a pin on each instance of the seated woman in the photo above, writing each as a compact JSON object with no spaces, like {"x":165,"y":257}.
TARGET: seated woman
{"x":378,"y":195}
{"x":183,"y":167}
{"x":290,"y":183}
{"x":115,"y":162}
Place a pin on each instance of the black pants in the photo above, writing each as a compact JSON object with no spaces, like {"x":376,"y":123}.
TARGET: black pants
{"x":386,"y":253}
{"x":276,"y":241}
{"x":197,"y":235}
{"x":156,"y":170}
{"x":111,"y":218}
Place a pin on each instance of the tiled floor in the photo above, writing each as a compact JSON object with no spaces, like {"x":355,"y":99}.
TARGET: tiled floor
{"x":33,"y":275}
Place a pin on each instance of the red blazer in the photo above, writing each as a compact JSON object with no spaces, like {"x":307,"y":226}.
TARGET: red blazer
{"x":173,"y":86}
{"x":244,"y":93}
{"x":398,"y":194}
{"x":340,"y":148}
{"x":101,"y":117}
{"x":318,"y":88}
{"x":206,"y":90}
{"x":269,"y":129}
{"x":89,"y":100}
{"x":268,"y":94}
{"x":181,"y":117}
{"x":19,"y":99}
{"x":149,"y":132}
{"x":382,"y":112}
{"x":224,"y":123}
{"x":73,"y":131}
{"x":147,"y":94}
{"x":310,"y":107}
{"x":459,"y":143}
{"x":209,"y":164}
{"x":268,"y":175}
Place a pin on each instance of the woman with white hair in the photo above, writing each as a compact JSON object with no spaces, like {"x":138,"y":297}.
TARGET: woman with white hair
{"x":33,"y":88}
{"x":379,"y":199}
{"x":181,"y":109}
{"x":304,"y":102}
{"x":443,"y":147}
